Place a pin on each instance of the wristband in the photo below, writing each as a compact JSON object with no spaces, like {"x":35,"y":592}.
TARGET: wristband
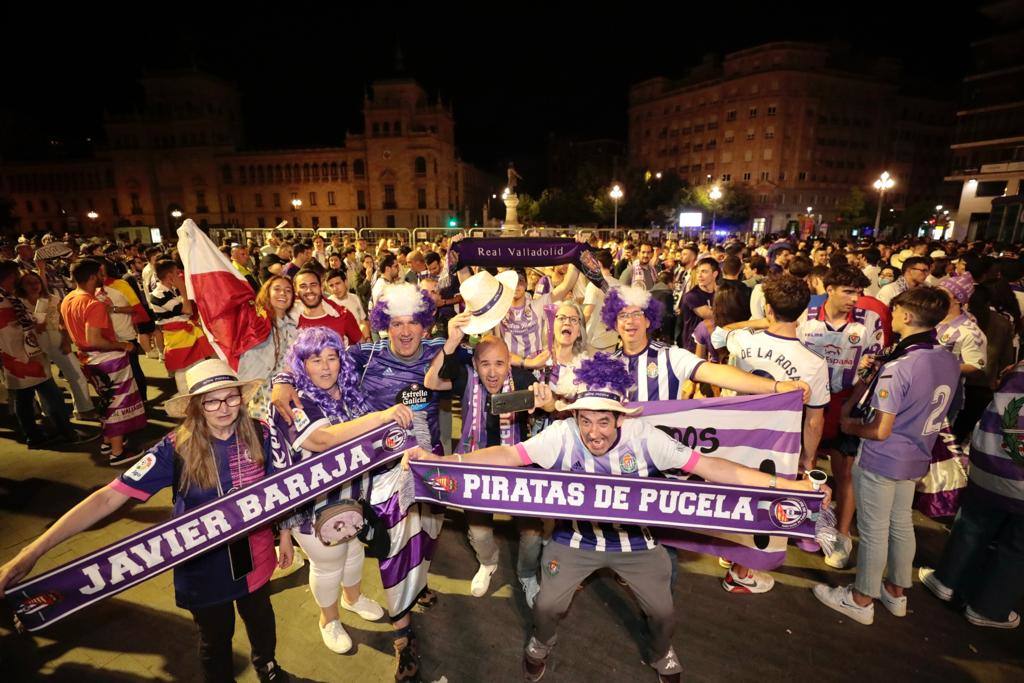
{"x":773,"y":483}
{"x":282,"y":378}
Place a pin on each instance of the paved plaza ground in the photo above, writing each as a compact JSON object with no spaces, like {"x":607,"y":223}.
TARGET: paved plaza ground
{"x":784,"y":635}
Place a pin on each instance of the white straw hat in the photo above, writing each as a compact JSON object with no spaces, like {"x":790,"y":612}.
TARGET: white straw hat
{"x":488,"y":298}
{"x":605,"y":398}
{"x":204,"y":377}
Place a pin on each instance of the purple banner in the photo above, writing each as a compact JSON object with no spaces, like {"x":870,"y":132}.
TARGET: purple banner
{"x":506,"y":252}
{"x":532,"y":492}
{"x":60,"y":592}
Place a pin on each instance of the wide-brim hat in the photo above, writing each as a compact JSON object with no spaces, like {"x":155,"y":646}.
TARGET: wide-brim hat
{"x":207,"y":376}
{"x":598,"y":400}
{"x":53,"y":250}
{"x":898,"y":259}
{"x":488,"y":297}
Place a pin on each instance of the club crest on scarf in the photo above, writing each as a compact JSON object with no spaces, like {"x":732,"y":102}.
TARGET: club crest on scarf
{"x":788,"y":513}
{"x":1013,"y":436}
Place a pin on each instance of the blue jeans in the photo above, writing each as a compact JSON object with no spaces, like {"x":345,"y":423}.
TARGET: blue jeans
{"x":53,"y":401}
{"x":989,"y":581}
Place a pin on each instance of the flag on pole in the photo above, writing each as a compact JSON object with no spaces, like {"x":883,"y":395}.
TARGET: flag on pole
{"x":226,"y":304}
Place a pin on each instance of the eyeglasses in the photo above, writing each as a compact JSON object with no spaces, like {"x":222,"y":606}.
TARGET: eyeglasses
{"x":567,"y":320}
{"x":921,"y":270}
{"x":634,"y":315}
{"x":212,"y":405}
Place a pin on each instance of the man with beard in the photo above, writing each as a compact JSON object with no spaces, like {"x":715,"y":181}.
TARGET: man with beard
{"x":391,"y":371}
{"x":641,"y":272}
{"x":315,"y":311}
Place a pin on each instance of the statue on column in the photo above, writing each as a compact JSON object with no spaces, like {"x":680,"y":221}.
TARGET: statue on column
{"x":513,"y":178}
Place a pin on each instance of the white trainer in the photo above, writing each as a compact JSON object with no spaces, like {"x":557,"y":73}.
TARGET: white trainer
{"x":482,"y":580}
{"x":979,"y":620}
{"x":932,"y":583}
{"x":896,"y":606}
{"x":364,"y":607}
{"x":840,"y":598}
{"x":839,"y":558}
{"x":335,"y":637}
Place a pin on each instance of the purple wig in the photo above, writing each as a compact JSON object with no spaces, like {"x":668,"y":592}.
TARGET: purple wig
{"x":604,"y":371}
{"x":312,"y":341}
{"x":614,"y":303}
{"x":403,"y":300}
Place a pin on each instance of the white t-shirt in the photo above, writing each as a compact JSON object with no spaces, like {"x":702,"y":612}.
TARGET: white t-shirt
{"x":757,"y":302}
{"x":871,"y":273}
{"x":781,"y":358}
{"x":122,"y":322}
{"x":352,"y":303}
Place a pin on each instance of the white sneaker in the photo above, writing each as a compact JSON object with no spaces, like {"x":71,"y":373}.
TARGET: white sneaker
{"x":896,"y":606}
{"x":754,"y":582}
{"x":335,"y":637}
{"x":364,"y":607}
{"x":979,"y":620}
{"x":482,"y":580}
{"x":932,"y":583}
{"x":531,"y":587}
{"x":839,"y":558}
{"x":840,"y":598}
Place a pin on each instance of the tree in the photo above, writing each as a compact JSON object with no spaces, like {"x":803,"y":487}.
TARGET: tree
{"x":564,"y":207}
{"x":528,"y":207}
{"x":853,"y":208}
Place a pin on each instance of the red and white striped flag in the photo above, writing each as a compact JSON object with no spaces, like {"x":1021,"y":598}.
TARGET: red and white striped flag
{"x":226,"y":303}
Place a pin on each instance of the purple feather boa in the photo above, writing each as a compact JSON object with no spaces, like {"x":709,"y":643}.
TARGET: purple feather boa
{"x":602,"y":371}
{"x":312,"y":341}
{"x":613,"y":305}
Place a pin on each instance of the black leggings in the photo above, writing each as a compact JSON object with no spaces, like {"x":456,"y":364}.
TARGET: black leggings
{"x":216,"y":625}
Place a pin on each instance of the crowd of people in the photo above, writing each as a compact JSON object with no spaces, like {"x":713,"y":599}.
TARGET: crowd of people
{"x":894,"y":345}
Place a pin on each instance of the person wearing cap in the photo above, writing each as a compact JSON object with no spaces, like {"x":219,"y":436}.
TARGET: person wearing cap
{"x":475,"y":377}
{"x":914,"y":269}
{"x":216,"y":448}
{"x":960,"y":334}
{"x":240,"y":262}
{"x":185,"y":343}
{"x":600,"y":438}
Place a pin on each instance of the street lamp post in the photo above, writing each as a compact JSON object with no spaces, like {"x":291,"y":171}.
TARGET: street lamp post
{"x":176,"y":215}
{"x":714,"y":195}
{"x":883,"y":183}
{"x":92,"y":216}
{"x":296,"y":205}
{"x":616,"y":195}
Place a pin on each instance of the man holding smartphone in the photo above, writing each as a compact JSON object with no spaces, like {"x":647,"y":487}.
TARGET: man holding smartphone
{"x":478,"y":377}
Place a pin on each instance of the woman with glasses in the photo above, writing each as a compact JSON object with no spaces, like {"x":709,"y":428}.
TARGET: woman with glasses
{"x":216,"y":449}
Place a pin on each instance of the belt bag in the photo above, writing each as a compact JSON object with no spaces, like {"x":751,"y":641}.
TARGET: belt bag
{"x":347,"y":519}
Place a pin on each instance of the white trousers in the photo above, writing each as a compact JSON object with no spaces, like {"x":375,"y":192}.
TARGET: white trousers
{"x":331,"y":566}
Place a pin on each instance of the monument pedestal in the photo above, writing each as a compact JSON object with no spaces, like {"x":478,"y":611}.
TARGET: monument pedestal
{"x":511,"y":226}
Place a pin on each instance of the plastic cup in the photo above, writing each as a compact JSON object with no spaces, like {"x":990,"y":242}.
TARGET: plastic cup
{"x":817,"y":477}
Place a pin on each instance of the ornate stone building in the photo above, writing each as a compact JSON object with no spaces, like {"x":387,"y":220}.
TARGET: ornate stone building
{"x":184,"y":152}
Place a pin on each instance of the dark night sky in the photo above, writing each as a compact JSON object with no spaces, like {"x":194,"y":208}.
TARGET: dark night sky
{"x":513,"y":78}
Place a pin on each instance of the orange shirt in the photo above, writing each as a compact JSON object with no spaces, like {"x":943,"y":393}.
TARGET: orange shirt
{"x":80,"y":309}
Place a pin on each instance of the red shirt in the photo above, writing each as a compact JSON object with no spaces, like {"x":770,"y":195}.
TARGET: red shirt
{"x":342,"y":322}
{"x":80,"y":309}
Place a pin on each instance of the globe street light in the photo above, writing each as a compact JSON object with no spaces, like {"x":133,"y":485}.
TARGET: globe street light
{"x":296,"y":205}
{"x":616,"y":195}
{"x":883,"y":183}
{"x":715,"y":194}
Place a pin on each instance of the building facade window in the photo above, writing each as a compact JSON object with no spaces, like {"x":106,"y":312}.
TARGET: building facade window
{"x":334,"y":221}
{"x":312,"y":198}
{"x":359,"y":168}
{"x":258,"y":200}
{"x":277,"y":201}
{"x":753,"y":112}
{"x":420,"y":167}
{"x":361,"y":201}
{"x":389,"y":221}
{"x":137,"y":207}
{"x":421,"y":198}
{"x":230,"y":200}
{"x":331,"y":200}
{"x":746,"y":176}
{"x":389,"y":198}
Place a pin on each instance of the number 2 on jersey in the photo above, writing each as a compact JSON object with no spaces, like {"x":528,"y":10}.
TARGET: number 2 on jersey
{"x":940,"y":399}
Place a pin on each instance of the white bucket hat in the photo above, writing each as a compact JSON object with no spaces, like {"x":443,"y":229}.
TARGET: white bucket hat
{"x":488,"y":298}
{"x":207,"y":376}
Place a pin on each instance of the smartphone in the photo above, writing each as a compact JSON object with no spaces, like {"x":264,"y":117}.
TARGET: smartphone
{"x":512,"y":402}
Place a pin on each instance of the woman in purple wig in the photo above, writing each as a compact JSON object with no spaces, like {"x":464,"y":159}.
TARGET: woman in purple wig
{"x":334,"y":412}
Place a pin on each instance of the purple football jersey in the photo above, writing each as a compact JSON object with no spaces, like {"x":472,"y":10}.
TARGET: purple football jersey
{"x":917,"y":389}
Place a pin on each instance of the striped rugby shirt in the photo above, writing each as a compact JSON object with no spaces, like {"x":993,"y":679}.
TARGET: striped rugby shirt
{"x":166,"y":304}
{"x":659,"y":371}
{"x":641,"y":450}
